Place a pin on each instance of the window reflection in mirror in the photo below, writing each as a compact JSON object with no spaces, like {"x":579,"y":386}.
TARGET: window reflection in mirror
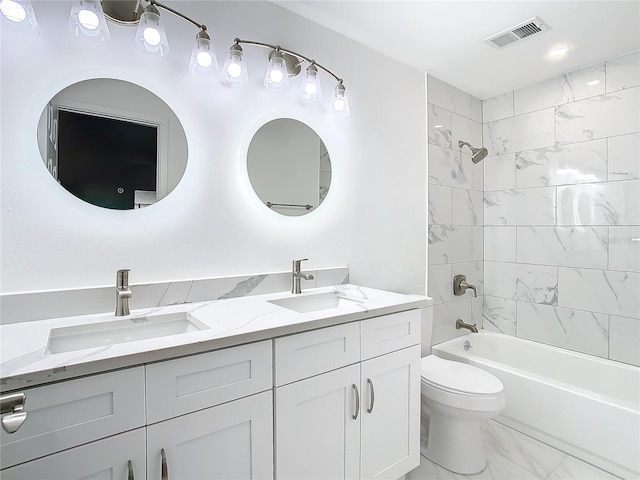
{"x":289,"y":167}
{"x":112,"y":144}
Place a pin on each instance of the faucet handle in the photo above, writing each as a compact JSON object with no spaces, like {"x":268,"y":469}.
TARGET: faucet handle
{"x":296,"y":264}
{"x":122,"y":277}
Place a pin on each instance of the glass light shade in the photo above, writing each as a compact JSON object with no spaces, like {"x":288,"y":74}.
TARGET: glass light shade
{"x":203,"y":57}
{"x":277,"y":77}
{"x":339,"y":101}
{"x":87,"y":18}
{"x":19,"y":11}
{"x":234,"y":71}
{"x":311,"y":89}
{"x":150,"y":36}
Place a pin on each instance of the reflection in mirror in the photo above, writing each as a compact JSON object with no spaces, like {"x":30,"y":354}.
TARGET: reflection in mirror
{"x":289,"y":167}
{"x":112,"y":143}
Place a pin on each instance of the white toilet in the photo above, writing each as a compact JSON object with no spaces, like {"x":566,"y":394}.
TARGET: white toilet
{"x":458,"y":397}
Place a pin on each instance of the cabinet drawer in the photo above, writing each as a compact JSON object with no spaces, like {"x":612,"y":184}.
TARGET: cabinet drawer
{"x":183,"y":385}
{"x":389,"y":333}
{"x":108,"y":458}
{"x":311,"y":353}
{"x":66,"y":414}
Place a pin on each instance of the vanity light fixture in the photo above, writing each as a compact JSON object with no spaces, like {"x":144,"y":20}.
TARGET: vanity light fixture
{"x":283,"y":64}
{"x":87,"y":18}
{"x":311,"y":88}
{"x":234,"y":71}
{"x":277,"y":76}
{"x":150,"y":36}
{"x":19,"y":11}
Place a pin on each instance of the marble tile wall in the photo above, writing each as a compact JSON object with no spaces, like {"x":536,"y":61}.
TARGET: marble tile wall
{"x":456,"y":214}
{"x":562,"y":211}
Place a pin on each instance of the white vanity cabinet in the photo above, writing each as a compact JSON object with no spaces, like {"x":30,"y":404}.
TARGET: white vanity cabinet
{"x":119,"y":457}
{"x":361,"y":417}
{"x":206,"y":416}
{"x":71,"y":413}
{"x":210,"y":416}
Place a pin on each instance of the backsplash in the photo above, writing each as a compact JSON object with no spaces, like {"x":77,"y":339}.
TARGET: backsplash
{"x":455,"y":207}
{"x":562,"y":211}
{"x":29,"y":306}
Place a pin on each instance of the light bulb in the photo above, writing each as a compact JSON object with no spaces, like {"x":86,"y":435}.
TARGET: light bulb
{"x":88,"y":19}
{"x":234,"y":70}
{"x":13,"y":11}
{"x":310,"y":89}
{"x":151,"y":36}
{"x":276,"y":76}
{"x":204,"y":59}
{"x":339,"y":101}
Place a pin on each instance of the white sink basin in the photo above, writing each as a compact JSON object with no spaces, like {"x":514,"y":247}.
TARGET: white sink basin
{"x":314,"y":302}
{"x":78,"y":337}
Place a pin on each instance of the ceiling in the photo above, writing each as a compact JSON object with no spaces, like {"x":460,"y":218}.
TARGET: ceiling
{"x":444,"y":38}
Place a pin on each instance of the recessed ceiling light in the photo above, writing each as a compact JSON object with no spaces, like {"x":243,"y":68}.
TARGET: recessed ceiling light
{"x":558,"y":52}
{"x":437,"y":126}
{"x":593,"y":82}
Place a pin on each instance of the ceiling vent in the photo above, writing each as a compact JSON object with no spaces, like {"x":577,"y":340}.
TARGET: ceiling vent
{"x":512,"y":35}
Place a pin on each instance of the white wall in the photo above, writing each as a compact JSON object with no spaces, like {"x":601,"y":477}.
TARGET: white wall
{"x":212,"y":224}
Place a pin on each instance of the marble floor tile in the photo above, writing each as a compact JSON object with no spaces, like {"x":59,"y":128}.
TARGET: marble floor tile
{"x":515,"y":456}
{"x":573,"y":469}
{"x":534,"y":456}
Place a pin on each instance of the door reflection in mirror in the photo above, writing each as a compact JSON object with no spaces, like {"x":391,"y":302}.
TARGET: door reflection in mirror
{"x":112,"y":144}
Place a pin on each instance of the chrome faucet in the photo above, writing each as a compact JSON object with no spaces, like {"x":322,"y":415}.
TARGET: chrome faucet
{"x":296,"y":276}
{"x":460,"y":324}
{"x":123,"y":293}
{"x":460,"y":286}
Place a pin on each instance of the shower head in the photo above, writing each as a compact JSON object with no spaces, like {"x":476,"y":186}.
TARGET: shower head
{"x":477,"y":154}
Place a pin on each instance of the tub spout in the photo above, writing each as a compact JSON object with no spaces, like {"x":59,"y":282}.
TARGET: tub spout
{"x":460,"y":324}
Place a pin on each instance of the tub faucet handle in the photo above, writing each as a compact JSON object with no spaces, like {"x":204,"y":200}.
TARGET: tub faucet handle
{"x":460,"y":286}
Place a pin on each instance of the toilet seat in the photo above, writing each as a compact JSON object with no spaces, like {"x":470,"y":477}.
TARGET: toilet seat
{"x":458,"y":378}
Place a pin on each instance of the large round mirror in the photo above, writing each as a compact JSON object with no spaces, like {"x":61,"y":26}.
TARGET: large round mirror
{"x":289,"y":167}
{"x":112,"y":143}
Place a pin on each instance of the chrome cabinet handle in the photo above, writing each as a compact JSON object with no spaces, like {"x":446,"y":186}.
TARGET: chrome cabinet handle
{"x":372,"y":398}
{"x":165,"y":469}
{"x":130,"y":468}
{"x":355,"y":415}
{"x":13,"y":406}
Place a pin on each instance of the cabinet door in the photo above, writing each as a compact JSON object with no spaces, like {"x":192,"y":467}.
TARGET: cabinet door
{"x":106,"y":459}
{"x":391,"y":414}
{"x":231,"y":441}
{"x":316,"y":434}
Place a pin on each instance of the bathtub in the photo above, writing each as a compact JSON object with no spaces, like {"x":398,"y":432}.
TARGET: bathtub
{"x":586,"y":406}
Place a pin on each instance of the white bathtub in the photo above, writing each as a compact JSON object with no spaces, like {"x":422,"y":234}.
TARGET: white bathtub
{"x":585,"y":406}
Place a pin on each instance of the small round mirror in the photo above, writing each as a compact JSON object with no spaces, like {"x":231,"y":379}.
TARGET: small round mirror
{"x":112,"y":143}
{"x":289,"y":167}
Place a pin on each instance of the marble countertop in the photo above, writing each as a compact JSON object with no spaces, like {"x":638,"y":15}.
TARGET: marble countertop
{"x":26,"y":360}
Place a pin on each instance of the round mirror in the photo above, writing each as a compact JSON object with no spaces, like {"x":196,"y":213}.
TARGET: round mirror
{"x":289,"y":167}
{"x":112,"y":143}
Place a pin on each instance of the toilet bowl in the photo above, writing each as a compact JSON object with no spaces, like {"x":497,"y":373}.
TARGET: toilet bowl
{"x":459,"y":397}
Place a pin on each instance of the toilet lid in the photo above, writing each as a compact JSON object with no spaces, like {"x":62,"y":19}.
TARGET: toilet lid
{"x":458,"y":377}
